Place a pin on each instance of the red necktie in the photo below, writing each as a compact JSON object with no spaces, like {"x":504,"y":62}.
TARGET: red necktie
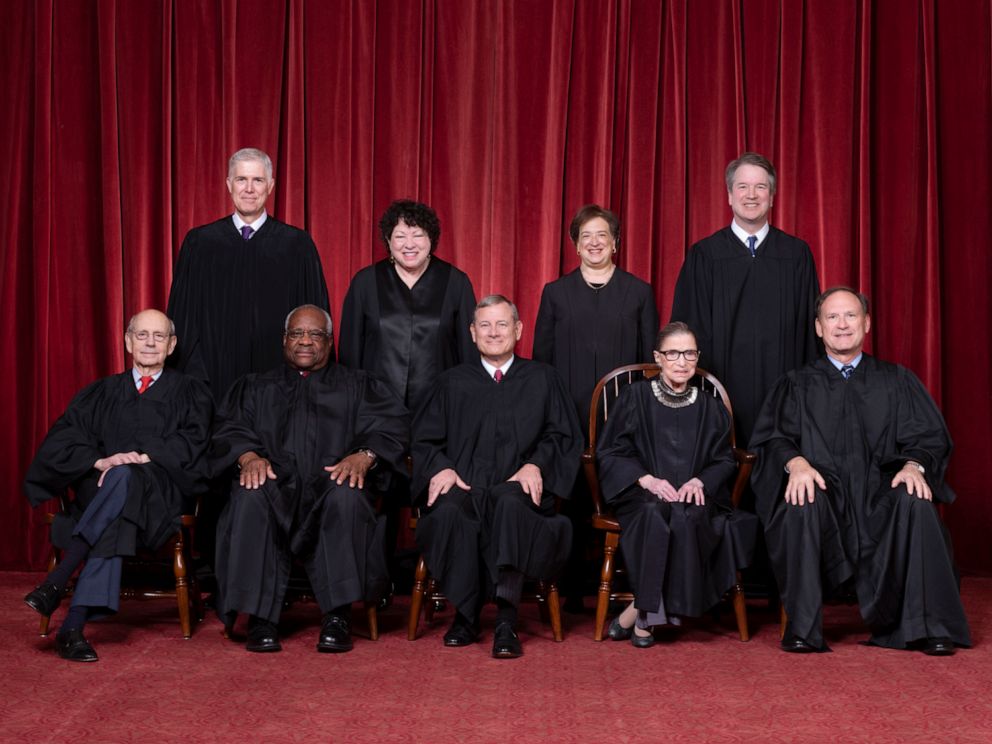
{"x":146,"y":381}
{"x":498,"y":375}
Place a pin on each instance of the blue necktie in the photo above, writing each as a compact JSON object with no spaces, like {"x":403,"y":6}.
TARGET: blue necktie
{"x":752,"y":243}
{"x":246,"y":232}
{"x":847,"y":370}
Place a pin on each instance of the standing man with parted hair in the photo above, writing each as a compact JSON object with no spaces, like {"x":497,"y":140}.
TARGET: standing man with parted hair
{"x":236,"y":279}
{"x":747,"y":291}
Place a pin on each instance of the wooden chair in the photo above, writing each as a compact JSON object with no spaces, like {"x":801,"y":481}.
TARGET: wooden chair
{"x":546,"y":596}
{"x":299,"y":590}
{"x":180,"y":549}
{"x":605,"y":394}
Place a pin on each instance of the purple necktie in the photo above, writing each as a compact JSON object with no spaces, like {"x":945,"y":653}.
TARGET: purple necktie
{"x":246,"y":232}
{"x":498,"y":375}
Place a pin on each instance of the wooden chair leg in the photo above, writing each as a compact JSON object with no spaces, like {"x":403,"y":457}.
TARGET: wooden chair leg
{"x":783,"y":620}
{"x":554,"y":610}
{"x":182,"y":586}
{"x":372,"y":614}
{"x":740,"y":609}
{"x":605,"y":583}
{"x":416,"y":598}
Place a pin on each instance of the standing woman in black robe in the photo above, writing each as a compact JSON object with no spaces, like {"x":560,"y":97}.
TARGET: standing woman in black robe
{"x":591,"y":321}
{"x":665,"y":464}
{"x":406,"y":318}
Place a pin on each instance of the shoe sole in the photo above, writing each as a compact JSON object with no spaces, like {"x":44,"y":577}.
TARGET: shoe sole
{"x":264,"y":649}
{"x":327,"y":648}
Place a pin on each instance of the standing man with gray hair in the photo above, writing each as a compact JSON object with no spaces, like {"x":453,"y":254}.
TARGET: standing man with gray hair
{"x":747,"y":291}
{"x":236,"y":279}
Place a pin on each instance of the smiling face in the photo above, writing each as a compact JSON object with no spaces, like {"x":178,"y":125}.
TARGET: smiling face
{"x":495,"y":333}
{"x":250,"y":188}
{"x":410,"y":247}
{"x":149,"y":340}
{"x":596,"y":244}
{"x":842,"y":324}
{"x":306,"y":345}
{"x":677,"y":373}
{"x":751,"y":197}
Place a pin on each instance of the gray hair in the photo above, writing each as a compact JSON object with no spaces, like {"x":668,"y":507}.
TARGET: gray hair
{"x":750,"y":158}
{"x":250,"y":154}
{"x":862,"y":298}
{"x":496,"y":299}
{"x":130,"y":323}
{"x":329,"y":327}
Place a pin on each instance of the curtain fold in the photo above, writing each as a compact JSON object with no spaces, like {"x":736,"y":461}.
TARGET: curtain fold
{"x":506,"y":117}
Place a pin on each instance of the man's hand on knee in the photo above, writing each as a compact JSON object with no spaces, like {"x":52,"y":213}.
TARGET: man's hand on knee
{"x":352,"y":468}
{"x":255,"y":470}
{"x":912,"y":477}
{"x":442,"y":482}
{"x":529,"y":478}
{"x":104,"y":464}
{"x":803,"y":480}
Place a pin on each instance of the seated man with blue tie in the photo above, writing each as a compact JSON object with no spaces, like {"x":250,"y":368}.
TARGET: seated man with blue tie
{"x":852,"y":453}
{"x":495,"y":442}
{"x":132,"y":446}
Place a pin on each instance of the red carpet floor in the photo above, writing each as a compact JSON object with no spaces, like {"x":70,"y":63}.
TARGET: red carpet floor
{"x":699,"y":685}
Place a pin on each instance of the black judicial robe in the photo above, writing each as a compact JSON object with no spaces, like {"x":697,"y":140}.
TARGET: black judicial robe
{"x":687,"y":553}
{"x":487,"y":431}
{"x":407,"y":336}
{"x":858,"y":434}
{"x":170,"y":422}
{"x":230,"y":297}
{"x":584,"y":332}
{"x":752,"y":317}
{"x":302,"y":424}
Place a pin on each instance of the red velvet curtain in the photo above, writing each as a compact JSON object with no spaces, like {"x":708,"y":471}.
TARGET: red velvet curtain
{"x":505,"y":116}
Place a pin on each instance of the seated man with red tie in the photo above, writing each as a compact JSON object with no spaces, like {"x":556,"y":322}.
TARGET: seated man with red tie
{"x":495,"y":442}
{"x":132,"y":446}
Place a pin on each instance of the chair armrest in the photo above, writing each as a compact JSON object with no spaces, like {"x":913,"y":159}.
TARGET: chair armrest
{"x":745,"y":462}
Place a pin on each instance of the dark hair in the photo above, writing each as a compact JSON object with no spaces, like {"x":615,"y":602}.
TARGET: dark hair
{"x":862,"y":298}
{"x":750,"y":158}
{"x":413,"y":213}
{"x":672,"y":329}
{"x":591,"y":212}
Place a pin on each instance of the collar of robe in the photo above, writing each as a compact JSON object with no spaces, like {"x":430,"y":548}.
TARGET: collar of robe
{"x":668,"y":397}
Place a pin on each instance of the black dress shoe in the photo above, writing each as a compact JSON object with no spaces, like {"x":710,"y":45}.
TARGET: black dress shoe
{"x":263,"y":636}
{"x":638,"y":641}
{"x":460,"y":634}
{"x":793,"y":644}
{"x":44,"y":599}
{"x":506,"y":644}
{"x":617,"y":632}
{"x":335,"y":635}
{"x":939,"y":647}
{"x":72,"y":646}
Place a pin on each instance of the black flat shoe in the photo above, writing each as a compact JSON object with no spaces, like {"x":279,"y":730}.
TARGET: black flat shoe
{"x":506,"y":644}
{"x":44,"y":599}
{"x":642,"y":641}
{"x":939,"y":647}
{"x":460,"y":634}
{"x":617,"y":632}
{"x":263,"y":636}
{"x":335,"y":635}
{"x":72,"y":646}
{"x":793,"y":644}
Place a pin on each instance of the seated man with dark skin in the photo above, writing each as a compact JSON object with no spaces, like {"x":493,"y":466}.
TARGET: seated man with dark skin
{"x":494,"y":443}
{"x":133,"y":449}
{"x":852,"y":453}
{"x":307,"y":438}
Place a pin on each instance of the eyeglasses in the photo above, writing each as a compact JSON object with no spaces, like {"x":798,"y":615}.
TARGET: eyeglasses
{"x":315,"y":334}
{"x":159,"y":338}
{"x":672,"y":355}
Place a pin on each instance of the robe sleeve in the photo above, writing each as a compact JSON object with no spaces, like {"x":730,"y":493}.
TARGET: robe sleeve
{"x":559,"y":446}
{"x":463,"y":319}
{"x":70,"y":448}
{"x":430,"y":436}
{"x":351,"y":331}
{"x":777,"y":438}
{"x":544,"y":329}
{"x":382,"y":423}
{"x":921,"y":433}
{"x":234,"y":428}
{"x":693,"y":303}
{"x":649,"y":326}
{"x":717,"y":463}
{"x":183,"y":309}
{"x":183,"y":452}
{"x":617,"y":451}
{"x":812,"y":346}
